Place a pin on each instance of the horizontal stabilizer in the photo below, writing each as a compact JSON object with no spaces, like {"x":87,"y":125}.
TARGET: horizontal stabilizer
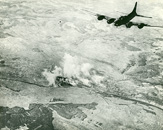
{"x":143,"y":16}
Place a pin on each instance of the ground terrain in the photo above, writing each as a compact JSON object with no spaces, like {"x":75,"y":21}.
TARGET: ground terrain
{"x":117,"y":73}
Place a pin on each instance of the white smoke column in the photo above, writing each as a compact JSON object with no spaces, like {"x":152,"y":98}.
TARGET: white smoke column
{"x":85,"y":69}
{"x":71,"y":67}
{"x":51,"y":76}
{"x":97,"y":79}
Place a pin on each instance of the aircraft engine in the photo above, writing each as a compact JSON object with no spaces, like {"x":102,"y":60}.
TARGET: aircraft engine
{"x":129,"y":25}
{"x":110,"y":20}
{"x":141,"y":25}
{"x":100,"y":17}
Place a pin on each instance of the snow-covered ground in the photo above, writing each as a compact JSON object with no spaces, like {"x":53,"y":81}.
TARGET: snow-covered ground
{"x":118,"y":68}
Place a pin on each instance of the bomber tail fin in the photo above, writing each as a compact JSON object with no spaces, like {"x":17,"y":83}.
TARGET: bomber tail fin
{"x":134,"y":10}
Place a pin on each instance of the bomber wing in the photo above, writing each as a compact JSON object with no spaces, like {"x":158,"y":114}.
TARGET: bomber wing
{"x":102,"y":17}
{"x":107,"y":18}
{"x":140,"y":25}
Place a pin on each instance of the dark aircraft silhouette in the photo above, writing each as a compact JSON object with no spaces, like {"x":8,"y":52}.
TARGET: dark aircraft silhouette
{"x":126,"y":20}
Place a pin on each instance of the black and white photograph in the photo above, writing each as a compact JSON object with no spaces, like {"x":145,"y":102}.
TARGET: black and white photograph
{"x":81,"y":65}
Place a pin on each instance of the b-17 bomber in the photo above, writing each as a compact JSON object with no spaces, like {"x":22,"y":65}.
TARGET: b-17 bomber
{"x":126,"y":20}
